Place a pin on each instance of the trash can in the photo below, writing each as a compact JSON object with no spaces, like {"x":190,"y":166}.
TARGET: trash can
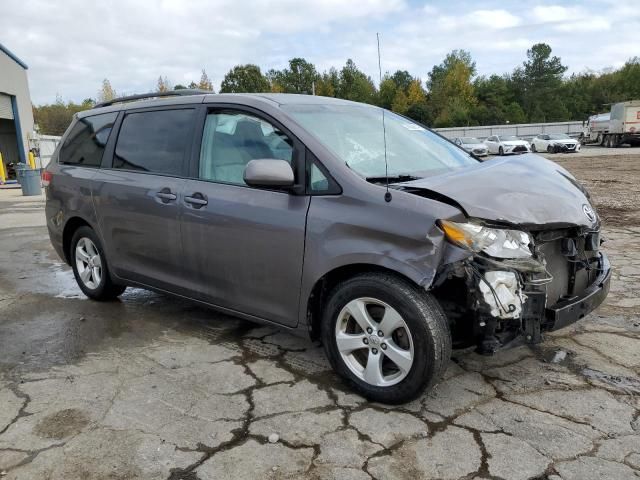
{"x":31,"y":182}
{"x":20,"y":169}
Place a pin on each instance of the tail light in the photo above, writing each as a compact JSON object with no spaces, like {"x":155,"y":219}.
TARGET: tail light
{"x":46,"y":178}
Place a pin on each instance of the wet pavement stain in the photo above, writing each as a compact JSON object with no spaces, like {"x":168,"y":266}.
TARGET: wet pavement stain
{"x":62,"y":424}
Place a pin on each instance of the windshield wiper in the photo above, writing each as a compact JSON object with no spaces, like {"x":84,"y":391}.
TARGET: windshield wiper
{"x":393,"y":178}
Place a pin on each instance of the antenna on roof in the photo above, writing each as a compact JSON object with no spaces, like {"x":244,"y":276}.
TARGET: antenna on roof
{"x":387,"y":195}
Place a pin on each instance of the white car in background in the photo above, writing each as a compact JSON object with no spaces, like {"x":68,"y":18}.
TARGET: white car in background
{"x":506,"y":144}
{"x":554,"y":143}
{"x":472,"y":145}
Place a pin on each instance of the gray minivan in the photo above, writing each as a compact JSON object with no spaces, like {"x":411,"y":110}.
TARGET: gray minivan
{"x":388,"y":243}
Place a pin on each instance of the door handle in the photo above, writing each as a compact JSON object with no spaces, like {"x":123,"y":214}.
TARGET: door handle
{"x":165,"y":195}
{"x":196,"y":200}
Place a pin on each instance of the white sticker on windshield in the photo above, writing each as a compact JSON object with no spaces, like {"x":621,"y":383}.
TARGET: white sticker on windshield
{"x":413,"y":126}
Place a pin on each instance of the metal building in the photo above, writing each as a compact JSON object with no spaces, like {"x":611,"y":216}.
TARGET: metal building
{"x":16,"y":114}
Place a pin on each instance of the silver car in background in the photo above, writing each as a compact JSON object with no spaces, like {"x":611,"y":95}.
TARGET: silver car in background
{"x":472,"y":145}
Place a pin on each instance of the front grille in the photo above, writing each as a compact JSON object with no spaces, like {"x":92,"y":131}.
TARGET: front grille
{"x":570,"y":146}
{"x":562,"y":268}
{"x":519,"y":148}
{"x":479,"y":151}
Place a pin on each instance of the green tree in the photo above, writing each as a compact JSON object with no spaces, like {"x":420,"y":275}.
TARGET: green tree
{"x":452,"y":96}
{"x":328,"y":83}
{"x":244,"y":79}
{"x":402,"y":79}
{"x":355,"y":85}
{"x":387,"y":92}
{"x":538,"y":84}
{"x":54,"y":119}
{"x":298,"y":78}
{"x":400,"y":103}
{"x":179,"y":87}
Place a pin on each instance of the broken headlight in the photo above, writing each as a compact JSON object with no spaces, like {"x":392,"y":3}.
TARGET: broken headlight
{"x":496,"y":242}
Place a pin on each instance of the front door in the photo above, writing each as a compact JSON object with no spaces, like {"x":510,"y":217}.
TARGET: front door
{"x":244,"y":246}
{"x":138,"y":196}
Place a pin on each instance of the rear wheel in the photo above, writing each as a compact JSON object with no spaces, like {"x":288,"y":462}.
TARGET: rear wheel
{"x":386,"y":337}
{"x":90,"y":266}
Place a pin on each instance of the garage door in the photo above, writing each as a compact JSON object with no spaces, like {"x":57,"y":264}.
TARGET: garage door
{"x":6,"y":110}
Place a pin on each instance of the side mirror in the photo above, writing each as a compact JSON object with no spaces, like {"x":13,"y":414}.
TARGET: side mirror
{"x":267,"y":172}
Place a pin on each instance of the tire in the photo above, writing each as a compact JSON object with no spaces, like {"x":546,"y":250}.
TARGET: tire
{"x":533,"y":148}
{"x":97,"y":283}
{"x":428,"y":342}
{"x":607,"y":141}
{"x":501,"y":151}
{"x":550,"y":149}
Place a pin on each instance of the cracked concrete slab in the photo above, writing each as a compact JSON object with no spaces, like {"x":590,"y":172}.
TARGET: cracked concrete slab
{"x":345,"y":448}
{"x":256,"y":460}
{"x":299,"y":428}
{"x":155,"y":387}
{"x":387,"y":428}
{"x":597,"y":408}
{"x":512,"y":458}
{"x":591,"y":468}
{"x":450,"y":454}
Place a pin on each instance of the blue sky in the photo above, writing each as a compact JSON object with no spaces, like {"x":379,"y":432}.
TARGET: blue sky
{"x":71,"y":45}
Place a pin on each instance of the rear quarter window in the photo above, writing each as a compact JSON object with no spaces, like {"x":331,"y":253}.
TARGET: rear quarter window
{"x":84,"y":145}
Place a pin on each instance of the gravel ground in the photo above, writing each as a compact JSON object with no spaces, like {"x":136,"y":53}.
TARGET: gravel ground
{"x":150,"y":387}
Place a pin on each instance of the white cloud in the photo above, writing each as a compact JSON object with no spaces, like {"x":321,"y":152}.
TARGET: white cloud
{"x":71,"y":45}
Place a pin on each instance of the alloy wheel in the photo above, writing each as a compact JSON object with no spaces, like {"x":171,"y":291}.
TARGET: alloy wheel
{"x":88,"y":263}
{"x":374,"y":342}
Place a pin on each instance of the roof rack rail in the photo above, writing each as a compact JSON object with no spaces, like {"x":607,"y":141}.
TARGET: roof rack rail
{"x":141,"y":96}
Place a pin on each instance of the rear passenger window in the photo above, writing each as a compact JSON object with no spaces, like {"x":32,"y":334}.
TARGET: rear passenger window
{"x":85,"y":143}
{"x":154,"y":141}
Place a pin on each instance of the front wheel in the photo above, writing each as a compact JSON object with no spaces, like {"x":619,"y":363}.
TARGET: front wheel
{"x":90,"y":266}
{"x":386,"y":337}
{"x":533,"y":148}
{"x":500,"y":151}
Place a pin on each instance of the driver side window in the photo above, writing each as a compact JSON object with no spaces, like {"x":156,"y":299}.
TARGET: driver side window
{"x":232,"y":139}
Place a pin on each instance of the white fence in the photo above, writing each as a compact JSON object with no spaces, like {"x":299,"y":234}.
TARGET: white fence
{"x":45,"y":145}
{"x":523,"y":130}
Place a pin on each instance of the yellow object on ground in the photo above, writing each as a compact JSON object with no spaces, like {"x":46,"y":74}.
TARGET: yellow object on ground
{"x":32,"y":161}
{"x":3,"y":175}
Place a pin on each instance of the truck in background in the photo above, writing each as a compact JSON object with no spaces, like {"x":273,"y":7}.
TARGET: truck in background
{"x":620,"y":125}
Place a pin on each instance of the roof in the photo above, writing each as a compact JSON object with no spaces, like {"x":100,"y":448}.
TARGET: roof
{"x":273,"y":99}
{"x":13,"y":57}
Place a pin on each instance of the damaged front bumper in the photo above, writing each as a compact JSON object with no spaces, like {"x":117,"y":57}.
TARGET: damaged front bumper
{"x":498,"y":304}
{"x":569,"y":310}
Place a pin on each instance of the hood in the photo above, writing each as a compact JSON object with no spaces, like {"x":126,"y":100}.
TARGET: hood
{"x":514,"y":142}
{"x":564,"y":141}
{"x":527,"y":190}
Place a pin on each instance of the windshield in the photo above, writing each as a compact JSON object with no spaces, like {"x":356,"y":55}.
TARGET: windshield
{"x":507,"y":138}
{"x":559,"y":136}
{"x":355,"y":135}
{"x":470,"y":140}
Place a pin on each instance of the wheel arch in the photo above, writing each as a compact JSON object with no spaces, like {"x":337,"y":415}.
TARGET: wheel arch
{"x":316,"y":299}
{"x":70,"y":227}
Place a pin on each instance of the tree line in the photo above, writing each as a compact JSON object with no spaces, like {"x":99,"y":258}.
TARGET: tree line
{"x":453,"y":94}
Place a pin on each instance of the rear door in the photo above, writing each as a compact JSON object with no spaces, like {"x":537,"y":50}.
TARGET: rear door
{"x":244,"y":246}
{"x":137,"y":195}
